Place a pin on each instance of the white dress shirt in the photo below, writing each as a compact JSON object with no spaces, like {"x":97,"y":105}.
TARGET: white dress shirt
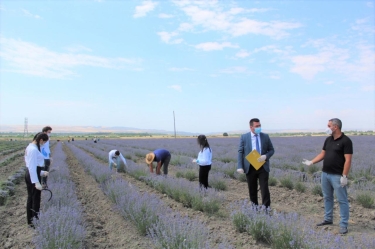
{"x":33,"y":159}
{"x":205,"y":157}
{"x":112,"y":156}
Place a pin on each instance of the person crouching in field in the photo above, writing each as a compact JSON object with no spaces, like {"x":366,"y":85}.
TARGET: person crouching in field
{"x":114,"y":159}
{"x":204,"y":160}
{"x":162,"y":157}
{"x":34,"y":162}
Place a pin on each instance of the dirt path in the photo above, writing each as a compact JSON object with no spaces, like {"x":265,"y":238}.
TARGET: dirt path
{"x":105,"y":227}
{"x":10,"y":168}
{"x":14,"y":232}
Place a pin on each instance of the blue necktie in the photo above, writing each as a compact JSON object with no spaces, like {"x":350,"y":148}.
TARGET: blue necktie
{"x":257,"y":143}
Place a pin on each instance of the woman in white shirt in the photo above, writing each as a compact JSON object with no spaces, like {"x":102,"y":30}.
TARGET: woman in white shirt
{"x":34,"y":162}
{"x":204,"y":160}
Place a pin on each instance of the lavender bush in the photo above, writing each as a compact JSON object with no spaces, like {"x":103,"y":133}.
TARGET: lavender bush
{"x":60,"y":223}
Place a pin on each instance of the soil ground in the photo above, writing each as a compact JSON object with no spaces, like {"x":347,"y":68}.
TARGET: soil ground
{"x":106,"y":228}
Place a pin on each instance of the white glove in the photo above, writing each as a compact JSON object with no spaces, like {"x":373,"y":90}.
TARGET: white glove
{"x":343,"y":181}
{"x":38,"y":186}
{"x":307,"y":162}
{"x":262,"y":158}
{"x":44,"y":173}
{"x":240,"y":171}
{"x":115,"y":164}
{"x":194,"y":160}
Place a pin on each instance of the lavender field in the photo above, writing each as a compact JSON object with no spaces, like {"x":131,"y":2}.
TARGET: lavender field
{"x":137,"y":209}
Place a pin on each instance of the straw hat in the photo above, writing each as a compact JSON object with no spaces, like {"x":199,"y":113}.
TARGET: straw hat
{"x":150,"y":157}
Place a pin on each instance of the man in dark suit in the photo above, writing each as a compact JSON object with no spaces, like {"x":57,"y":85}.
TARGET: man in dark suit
{"x":256,"y":140}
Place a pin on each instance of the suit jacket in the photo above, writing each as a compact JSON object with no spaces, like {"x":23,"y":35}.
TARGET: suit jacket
{"x":246,"y":147}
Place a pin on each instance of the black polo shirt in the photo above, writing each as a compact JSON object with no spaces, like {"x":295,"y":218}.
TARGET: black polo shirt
{"x":334,"y":159}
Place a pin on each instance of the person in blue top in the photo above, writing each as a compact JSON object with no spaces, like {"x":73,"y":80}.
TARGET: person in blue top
{"x":162,"y":157}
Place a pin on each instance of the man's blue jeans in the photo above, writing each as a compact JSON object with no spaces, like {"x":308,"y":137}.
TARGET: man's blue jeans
{"x":331,"y":183}
{"x":117,"y":161}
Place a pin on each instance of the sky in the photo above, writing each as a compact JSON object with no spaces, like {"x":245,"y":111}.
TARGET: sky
{"x":215,"y":64}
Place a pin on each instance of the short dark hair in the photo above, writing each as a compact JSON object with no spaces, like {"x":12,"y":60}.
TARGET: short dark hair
{"x":47,"y":128}
{"x":117,"y":153}
{"x":253,"y":120}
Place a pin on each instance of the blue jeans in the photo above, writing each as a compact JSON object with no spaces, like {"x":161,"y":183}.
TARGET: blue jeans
{"x":331,"y":183}
{"x":117,"y":161}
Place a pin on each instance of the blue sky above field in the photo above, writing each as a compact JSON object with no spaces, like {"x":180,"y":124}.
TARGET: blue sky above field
{"x":293,"y":64}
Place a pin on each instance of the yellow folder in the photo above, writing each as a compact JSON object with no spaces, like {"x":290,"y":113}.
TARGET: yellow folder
{"x":252,"y":158}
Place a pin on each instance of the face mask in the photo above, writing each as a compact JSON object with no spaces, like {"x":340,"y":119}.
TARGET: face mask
{"x":258,"y":130}
{"x":329,"y":131}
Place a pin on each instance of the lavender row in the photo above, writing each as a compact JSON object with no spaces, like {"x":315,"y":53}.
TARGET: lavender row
{"x":60,"y":223}
{"x":289,"y":231}
{"x":286,"y":162}
{"x":152,"y":217}
{"x":186,"y":192}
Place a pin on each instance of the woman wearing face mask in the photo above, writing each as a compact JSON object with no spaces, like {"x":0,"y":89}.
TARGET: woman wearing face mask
{"x":34,"y":162}
{"x":204,"y":160}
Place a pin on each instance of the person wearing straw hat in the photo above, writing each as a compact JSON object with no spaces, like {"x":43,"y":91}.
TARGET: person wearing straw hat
{"x":162,"y":157}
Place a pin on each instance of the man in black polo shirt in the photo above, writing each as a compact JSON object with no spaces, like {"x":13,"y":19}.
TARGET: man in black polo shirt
{"x":337,"y":155}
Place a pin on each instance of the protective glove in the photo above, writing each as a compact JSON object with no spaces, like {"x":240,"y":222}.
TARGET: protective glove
{"x":240,"y":171}
{"x":194,"y":160}
{"x":38,"y":186}
{"x":262,"y":158}
{"x":307,"y":162}
{"x":44,"y":173}
{"x":343,"y":181}
{"x":115,"y":164}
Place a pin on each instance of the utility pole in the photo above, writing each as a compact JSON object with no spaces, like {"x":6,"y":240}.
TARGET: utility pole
{"x":25,"y":129}
{"x":174,"y":122}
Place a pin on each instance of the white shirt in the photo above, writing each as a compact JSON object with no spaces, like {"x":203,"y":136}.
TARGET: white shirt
{"x":205,"y":157}
{"x":45,"y":150}
{"x":112,"y":156}
{"x":33,"y":159}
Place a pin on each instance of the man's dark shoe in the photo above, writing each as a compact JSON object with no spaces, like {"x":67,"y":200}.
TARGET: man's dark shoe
{"x":324,"y":223}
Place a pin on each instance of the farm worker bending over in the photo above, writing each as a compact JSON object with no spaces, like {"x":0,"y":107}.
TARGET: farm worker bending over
{"x":162,"y":157}
{"x":114,"y":159}
{"x":337,"y":155}
{"x":34,"y":160}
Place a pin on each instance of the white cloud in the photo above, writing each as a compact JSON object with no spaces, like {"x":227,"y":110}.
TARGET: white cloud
{"x":210,"y":46}
{"x":274,"y":29}
{"x":165,"y":16}
{"x":142,"y":10}
{"x":211,"y":17}
{"x":27,"y":58}
{"x":355,"y":62}
{"x":167,"y":37}
{"x":28,"y":14}
{"x":176,"y":87}
{"x":185,"y":27}
{"x":180,"y":69}
{"x":243,"y":54}
{"x":364,"y":26}
{"x":370,"y":4}
{"x":329,"y":82}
